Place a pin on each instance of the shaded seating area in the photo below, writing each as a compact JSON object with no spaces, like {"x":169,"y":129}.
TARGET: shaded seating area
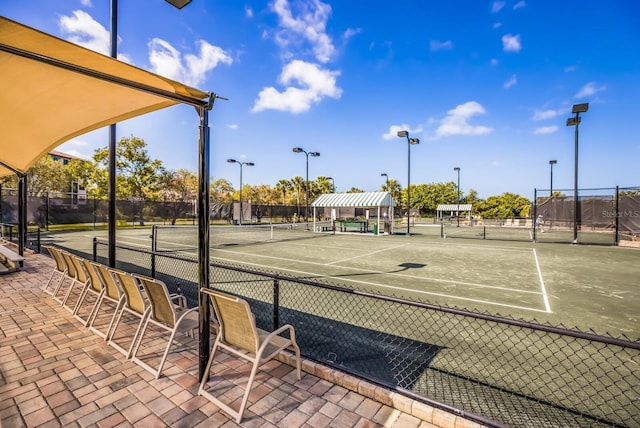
{"x":116,"y":295}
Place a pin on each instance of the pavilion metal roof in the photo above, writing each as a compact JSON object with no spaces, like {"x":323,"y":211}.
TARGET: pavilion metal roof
{"x":361,"y":200}
{"x":454,"y":207}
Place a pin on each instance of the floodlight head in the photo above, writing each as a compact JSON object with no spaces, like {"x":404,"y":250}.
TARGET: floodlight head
{"x":232,"y":160}
{"x":403,"y":134}
{"x":314,"y":154}
{"x":553,"y":162}
{"x":329,"y":178}
{"x":414,"y":141}
{"x":573,"y":122}
{"x":298,"y":150}
{"x":179,"y":3}
{"x":384,"y":174}
{"x":580,"y":108}
{"x":249,"y":163}
{"x":457,"y":168}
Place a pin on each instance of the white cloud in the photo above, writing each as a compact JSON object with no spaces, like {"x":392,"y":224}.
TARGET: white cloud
{"x":233,"y":126}
{"x":248,"y":11}
{"x":497,"y":5}
{"x":493,"y":62}
{"x":393,"y":131}
{"x":512,"y":81}
{"x":511,"y":43}
{"x":570,"y":68}
{"x":192,"y":69}
{"x":437,"y":45}
{"x":546,"y":130}
{"x":86,"y":3}
{"x":519,"y":5}
{"x":83,"y":30}
{"x":547,"y":114}
{"x":589,"y":89}
{"x":307,"y":23}
{"x":497,"y":25}
{"x":306,"y":84}
{"x":456,"y":122}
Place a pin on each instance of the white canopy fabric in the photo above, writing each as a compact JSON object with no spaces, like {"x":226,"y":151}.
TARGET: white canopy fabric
{"x":358,"y":200}
{"x":52,"y":90}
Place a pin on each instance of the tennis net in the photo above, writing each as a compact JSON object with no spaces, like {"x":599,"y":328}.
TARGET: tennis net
{"x":185,"y":238}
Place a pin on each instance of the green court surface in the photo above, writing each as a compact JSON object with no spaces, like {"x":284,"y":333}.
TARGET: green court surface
{"x":589,"y":287}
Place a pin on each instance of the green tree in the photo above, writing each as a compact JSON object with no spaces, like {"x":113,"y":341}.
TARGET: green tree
{"x":355,"y":190}
{"x":321,"y":186}
{"x":138,"y":175}
{"x":507,"y":205}
{"x":283,"y":186}
{"x":221,"y":190}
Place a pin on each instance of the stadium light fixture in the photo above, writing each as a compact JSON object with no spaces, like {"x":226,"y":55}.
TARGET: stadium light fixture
{"x":551,"y":163}
{"x":333,"y":184}
{"x":178,"y":3}
{"x":575,"y":121}
{"x":314,"y":155}
{"x":241,"y":164}
{"x":410,"y":142}
{"x":457,"y":168}
{"x":384,"y":174}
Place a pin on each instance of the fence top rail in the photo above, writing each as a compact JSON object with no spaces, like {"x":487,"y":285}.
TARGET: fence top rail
{"x":455,"y":311}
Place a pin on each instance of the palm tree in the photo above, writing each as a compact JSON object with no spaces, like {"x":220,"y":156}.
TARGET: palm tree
{"x":283,"y":186}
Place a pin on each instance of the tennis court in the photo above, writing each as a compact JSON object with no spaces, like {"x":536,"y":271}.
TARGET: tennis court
{"x":589,"y":287}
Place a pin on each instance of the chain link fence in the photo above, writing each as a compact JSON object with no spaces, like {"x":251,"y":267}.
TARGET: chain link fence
{"x":495,"y":370}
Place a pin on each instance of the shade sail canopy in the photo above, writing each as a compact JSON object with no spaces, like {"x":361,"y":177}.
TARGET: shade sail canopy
{"x":358,"y":200}
{"x":52,"y":90}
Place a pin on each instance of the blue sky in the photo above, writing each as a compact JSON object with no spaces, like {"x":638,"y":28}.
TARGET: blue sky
{"x":486,"y":86}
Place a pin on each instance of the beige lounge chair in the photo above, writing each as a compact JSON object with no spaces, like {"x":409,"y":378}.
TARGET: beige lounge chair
{"x":93,"y":286}
{"x":169,"y":312}
{"x":71,"y":275}
{"x":239,"y":335}
{"x":81,"y":277}
{"x":59,"y":270}
{"x":112,"y":293}
{"x":134,"y":304}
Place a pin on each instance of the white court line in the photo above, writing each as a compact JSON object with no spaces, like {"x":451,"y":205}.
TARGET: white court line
{"x":373,"y":272}
{"x":368,"y":254}
{"x":313,"y":275}
{"x":544,"y":290}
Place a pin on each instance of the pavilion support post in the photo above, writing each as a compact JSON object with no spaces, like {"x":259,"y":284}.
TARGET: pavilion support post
{"x":22,"y":213}
{"x":111,"y":217}
{"x":203,"y":239}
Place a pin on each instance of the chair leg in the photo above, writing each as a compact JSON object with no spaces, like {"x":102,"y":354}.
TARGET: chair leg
{"x":245,"y":398}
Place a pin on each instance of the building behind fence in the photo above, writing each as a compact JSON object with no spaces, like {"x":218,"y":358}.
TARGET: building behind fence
{"x":497,"y":371}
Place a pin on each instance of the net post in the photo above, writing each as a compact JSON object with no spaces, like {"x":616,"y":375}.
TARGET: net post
{"x":484,"y":232}
{"x":441,"y":230}
{"x":95,"y":249}
{"x":534,"y":216}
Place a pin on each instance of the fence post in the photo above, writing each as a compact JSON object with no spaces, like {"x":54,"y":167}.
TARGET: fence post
{"x":617,"y":219}
{"x":154,"y":247}
{"x":276,"y":302}
{"x":534,"y":217}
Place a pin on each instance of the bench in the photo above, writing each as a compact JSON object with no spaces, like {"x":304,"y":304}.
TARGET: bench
{"x":9,"y":260}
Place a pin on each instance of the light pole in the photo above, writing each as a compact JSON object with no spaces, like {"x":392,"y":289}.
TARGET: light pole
{"x":111,"y":159}
{"x":457,"y":168}
{"x":333,"y":185}
{"x":240,"y":163}
{"x":551,"y":164}
{"x":575,"y":121}
{"x":315,"y":155}
{"x":410,"y":141}
{"x":384,"y":174}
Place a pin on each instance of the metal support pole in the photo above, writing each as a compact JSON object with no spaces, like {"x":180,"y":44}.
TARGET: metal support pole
{"x":241,"y":213}
{"x":112,"y":148}
{"x":203,"y":240}
{"x":408,"y":185}
{"x":575,"y":184}
{"x":617,"y":219}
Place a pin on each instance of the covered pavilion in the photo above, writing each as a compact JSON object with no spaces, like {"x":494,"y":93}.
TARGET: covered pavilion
{"x":381,"y":202}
